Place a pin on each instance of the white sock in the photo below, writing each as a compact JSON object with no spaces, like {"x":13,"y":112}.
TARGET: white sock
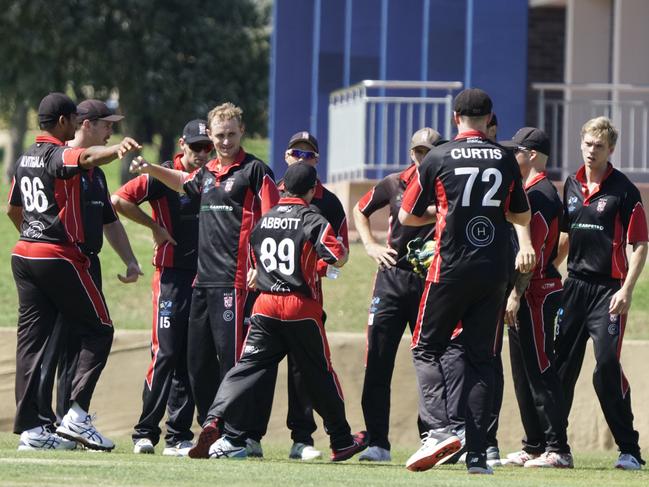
{"x":76,"y":413}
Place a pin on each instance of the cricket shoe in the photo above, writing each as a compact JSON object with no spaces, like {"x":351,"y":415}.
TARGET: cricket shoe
{"x":304,"y":452}
{"x":223,"y":448}
{"x":85,"y":433}
{"x":41,"y":439}
{"x":436,"y":446}
{"x":626,"y":461}
{"x":519,"y":458}
{"x":493,"y":457}
{"x":476,"y":464}
{"x":143,"y":446}
{"x":253,"y":448}
{"x":460,"y":455}
{"x":551,"y":459}
{"x":180,"y":449}
{"x":209,"y":434}
{"x":375,"y":454}
{"x":359,"y":444}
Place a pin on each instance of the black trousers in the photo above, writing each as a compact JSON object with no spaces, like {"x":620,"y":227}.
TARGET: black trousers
{"x":394,"y":305}
{"x":52,"y":280}
{"x":281,"y":325}
{"x":478,"y":305}
{"x":166,"y":385}
{"x":583,"y":314}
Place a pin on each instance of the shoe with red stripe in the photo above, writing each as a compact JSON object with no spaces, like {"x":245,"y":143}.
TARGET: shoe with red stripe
{"x":209,"y":434}
{"x":361,"y":440}
{"x":437,"y":445}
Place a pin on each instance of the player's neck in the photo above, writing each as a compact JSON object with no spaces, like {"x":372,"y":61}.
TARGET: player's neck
{"x":595,"y":174}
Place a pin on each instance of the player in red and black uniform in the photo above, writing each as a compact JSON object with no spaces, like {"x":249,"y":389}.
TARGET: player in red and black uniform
{"x":95,"y":127}
{"x":472,"y":187}
{"x":603,"y":212}
{"x":235,"y":189}
{"x":530,"y":314}
{"x":396,"y":294}
{"x":52,"y":277}
{"x":174,"y":225}
{"x":303,"y":147}
{"x":287,"y":319}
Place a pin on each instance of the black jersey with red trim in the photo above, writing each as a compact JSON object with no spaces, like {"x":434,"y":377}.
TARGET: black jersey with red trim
{"x":547,"y":214}
{"x":47,"y":186}
{"x":96,"y":208}
{"x":601,"y":223}
{"x":287,"y":243}
{"x":473,"y":182}
{"x":389,"y":191}
{"x":232,"y":199}
{"x":176,"y":212}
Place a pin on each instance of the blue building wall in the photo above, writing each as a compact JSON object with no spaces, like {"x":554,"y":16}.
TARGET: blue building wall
{"x":319,"y":46}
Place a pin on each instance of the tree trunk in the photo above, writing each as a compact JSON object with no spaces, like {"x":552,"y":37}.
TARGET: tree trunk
{"x":17,"y":132}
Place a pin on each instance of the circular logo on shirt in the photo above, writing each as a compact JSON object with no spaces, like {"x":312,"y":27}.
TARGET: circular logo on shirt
{"x":480,"y":231}
{"x":35,"y":229}
{"x":228,"y":315}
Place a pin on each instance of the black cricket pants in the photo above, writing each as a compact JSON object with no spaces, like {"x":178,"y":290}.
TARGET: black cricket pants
{"x":394,"y":304}
{"x":166,"y":385}
{"x":536,"y":383}
{"x":279,"y":325}
{"x":583,"y":314}
{"x":54,"y":279}
{"x":478,"y":305}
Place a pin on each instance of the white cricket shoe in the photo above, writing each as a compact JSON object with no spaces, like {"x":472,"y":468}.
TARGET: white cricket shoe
{"x":143,"y":445}
{"x":626,"y":461}
{"x":180,"y":449}
{"x":85,"y":433}
{"x":551,"y":459}
{"x":519,"y":458}
{"x":222,"y":448}
{"x":302,"y":451}
{"x":41,"y":439}
{"x":437,"y":445}
{"x":253,"y":448}
{"x":375,"y":454}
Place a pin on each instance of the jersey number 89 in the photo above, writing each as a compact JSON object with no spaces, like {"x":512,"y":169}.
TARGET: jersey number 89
{"x":33,"y":196}
{"x":271,"y":252}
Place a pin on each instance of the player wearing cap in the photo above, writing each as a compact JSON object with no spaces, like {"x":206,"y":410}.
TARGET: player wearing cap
{"x":287,"y":319}
{"x":52,"y":275}
{"x":174,"y":226}
{"x":95,"y":121}
{"x":396,"y":294}
{"x":530,"y":315}
{"x":235,"y":189}
{"x":603,"y":212}
{"x":472,"y":187}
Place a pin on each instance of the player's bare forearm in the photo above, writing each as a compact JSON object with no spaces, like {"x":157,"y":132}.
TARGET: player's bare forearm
{"x":132,"y":211}
{"x":636,"y":264}
{"x":15,"y":214}
{"x":99,"y":155}
{"x":519,"y":218}
{"x":526,"y":258}
{"x":169,"y":177}
{"x":408,"y":219}
{"x":562,"y":249}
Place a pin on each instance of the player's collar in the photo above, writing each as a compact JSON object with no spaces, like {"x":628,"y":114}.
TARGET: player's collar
{"x":292,"y":201}
{"x":539,"y":177}
{"x":580,"y":176}
{"x":50,"y":139}
{"x":407,"y":174}
{"x":470,"y":133}
{"x":178,"y":163}
{"x":215,"y":164}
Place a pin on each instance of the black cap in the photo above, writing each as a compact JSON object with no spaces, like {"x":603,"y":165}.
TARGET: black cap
{"x":96,"y":110}
{"x":300,"y":178}
{"x":530,"y":138}
{"x":472,"y":102}
{"x":196,"y":131}
{"x":493,"y":121}
{"x":53,"y":106}
{"x":303,"y":137}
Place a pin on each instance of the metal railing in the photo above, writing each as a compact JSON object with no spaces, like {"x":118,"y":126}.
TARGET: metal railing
{"x":564,"y":108}
{"x":371,"y":123}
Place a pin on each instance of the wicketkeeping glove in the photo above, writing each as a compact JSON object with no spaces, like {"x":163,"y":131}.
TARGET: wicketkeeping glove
{"x":420,"y":254}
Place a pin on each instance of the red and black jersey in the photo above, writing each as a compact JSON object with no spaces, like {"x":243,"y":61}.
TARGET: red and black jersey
{"x":547,"y":214}
{"x":601,"y":223}
{"x":47,"y":186}
{"x":389,"y":191}
{"x":232,"y":199}
{"x":176,"y":212}
{"x":473,"y":182}
{"x":287,"y":243}
{"x":96,"y":207}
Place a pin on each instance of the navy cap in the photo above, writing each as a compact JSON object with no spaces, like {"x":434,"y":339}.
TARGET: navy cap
{"x":472,"y":102}
{"x":530,"y":138}
{"x":53,"y":106}
{"x":300,"y":178}
{"x":303,"y":137}
{"x":196,"y":131}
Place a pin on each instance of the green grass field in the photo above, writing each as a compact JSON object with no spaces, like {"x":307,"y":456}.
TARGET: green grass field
{"x":346,"y":299}
{"x":122,"y":468}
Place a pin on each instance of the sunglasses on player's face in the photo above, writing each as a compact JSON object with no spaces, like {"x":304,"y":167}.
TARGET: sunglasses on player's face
{"x":198,"y":148}
{"x":302,"y":154}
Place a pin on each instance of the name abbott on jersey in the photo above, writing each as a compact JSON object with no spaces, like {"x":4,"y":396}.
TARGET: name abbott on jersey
{"x":281,"y":223}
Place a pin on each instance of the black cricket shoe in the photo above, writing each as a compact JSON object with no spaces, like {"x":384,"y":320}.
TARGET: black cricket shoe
{"x":476,"y":463}
{"x":361,"y":440}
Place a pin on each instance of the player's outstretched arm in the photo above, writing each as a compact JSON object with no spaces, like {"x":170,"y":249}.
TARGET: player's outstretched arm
{"x":169,"y":177}
{"x":382,"y":254}
{"x":100,"y":155}
{"x":621,"y":300}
